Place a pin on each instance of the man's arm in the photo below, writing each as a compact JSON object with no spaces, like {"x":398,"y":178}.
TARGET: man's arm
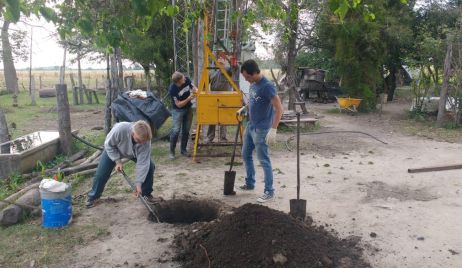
{"x":276,"y":102}
{"x":143,"y":161}
{"x":181,"y":104}
{"x":110,"y":144}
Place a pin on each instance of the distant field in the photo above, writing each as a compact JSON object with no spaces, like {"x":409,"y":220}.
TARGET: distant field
{"x":91,"y":78}
{"x":47,"y":79}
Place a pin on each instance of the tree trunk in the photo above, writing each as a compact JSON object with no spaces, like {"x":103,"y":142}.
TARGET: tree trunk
{"x":107,"y":110}
{"x":114,"y":77}
{"x":237,"y":41}
{"x":195,"y":51}
{"x":9,"y":71}
{"x":75,"y":93}
{"x":147,"y":75}
{"x":14,"y":213}
{"x":64,"y":119}
{"x":391,"y":83}
{"x":444,"y":88}
{"x":4,"y":134}
{"x":292,"y":54}
{"x":200,"y":49}
{"x":62,"y":70}
{"x":120,"y":70}
{"x":79,"y":77}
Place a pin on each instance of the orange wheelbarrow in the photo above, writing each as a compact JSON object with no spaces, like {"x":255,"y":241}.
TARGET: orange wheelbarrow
{"x":348,"y":104}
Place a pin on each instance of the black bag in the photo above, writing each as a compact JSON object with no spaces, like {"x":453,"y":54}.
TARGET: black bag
{"x":150,"y":109}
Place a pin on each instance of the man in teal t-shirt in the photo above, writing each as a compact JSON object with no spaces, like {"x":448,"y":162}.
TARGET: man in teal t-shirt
{"x":265,"y":112}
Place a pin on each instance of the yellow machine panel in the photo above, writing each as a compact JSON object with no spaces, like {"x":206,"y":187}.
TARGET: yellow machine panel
{"x":219,"y":108}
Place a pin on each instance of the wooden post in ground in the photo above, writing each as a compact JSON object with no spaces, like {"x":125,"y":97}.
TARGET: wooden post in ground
{"x":64,"y":119}
{"x":75,"y":94}
{"x":107,"y":110}
{"x":32,"y":91}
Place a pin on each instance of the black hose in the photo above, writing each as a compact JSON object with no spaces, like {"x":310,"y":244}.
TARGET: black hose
{"x":87,"y":143}
{"x":328,"y":132}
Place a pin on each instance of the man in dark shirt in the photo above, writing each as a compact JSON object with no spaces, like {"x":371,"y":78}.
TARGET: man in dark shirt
{"x":182,"y":93}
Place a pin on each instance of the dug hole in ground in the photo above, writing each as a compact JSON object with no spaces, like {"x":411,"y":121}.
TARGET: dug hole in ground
{"x":356,"y":188}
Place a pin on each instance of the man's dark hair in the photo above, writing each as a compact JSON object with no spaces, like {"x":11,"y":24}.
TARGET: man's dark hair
{"x":250,"y":67}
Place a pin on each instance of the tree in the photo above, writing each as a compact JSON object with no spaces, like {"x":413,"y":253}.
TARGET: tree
{"x":432,"y":22}
{"x":11,"y":78}
{"x":283,"y":17}
{"x":10,"y":12}
{"x":452,"y":78}
{"x":131,"y":29}
{"x":364,"y":39}
{"x":396,"y":34}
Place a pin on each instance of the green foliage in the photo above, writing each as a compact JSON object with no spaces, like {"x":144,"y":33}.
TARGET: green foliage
{"x":430,"y":27}
{"x":420,"y":86}
{"x":10,"y":185}
{"x":360,"y":38}
{"x":22,"y":243}
{"x":12,"y":11}
{"x":319,"y":59}
{"x":41,"y":166}
{"x":140,"y":28}
{"x":357,"y":54}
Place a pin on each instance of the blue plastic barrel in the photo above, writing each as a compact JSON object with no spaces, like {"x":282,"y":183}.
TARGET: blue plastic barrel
{"x":56,"y":208}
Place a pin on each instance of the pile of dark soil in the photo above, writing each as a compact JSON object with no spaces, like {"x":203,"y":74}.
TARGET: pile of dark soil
{"x":257,"y":236}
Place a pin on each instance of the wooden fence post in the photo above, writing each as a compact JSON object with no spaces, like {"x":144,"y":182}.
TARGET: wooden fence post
{"x":64,"y":119}
{"x":32,"y":91}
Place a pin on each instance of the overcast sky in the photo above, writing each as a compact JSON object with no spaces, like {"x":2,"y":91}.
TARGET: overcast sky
{"x":47,"y":52}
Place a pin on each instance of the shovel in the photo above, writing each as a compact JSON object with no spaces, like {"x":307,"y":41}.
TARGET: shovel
{"x":145,"y":203}
{"x":230,"y":176}
{"x":298,"y":206}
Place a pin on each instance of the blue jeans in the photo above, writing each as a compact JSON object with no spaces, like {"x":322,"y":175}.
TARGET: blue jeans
{"x":182,"y":118}
{"x":103,"y":172}
{"x":254,"y":139}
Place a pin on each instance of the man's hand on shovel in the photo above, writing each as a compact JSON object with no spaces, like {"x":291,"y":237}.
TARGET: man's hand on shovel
{"x":119,"y":166}
{"x":137,"y":191}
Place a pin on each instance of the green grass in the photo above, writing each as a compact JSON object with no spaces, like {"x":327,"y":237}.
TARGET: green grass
{"x":10,"y":185}
{"x":404,"y":92}
{"x":23,"y":243}
{"x":334,"y":111}
{"x":25,"y":112}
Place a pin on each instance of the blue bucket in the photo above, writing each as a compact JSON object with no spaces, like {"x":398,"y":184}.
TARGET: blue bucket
{"x":56,"y":208}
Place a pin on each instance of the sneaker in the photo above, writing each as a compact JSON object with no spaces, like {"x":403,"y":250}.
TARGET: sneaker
{"x":186,"y":154}
{"x":265,"y":197}
{"x":153,"y":200}
{"x":171,"y":156}
{"x":246,"y":187}
{"x":90,"y":203}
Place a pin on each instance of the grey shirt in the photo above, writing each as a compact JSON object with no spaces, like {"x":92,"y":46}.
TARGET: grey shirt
{"x":218,"y":81}
{"x":119,"y":144}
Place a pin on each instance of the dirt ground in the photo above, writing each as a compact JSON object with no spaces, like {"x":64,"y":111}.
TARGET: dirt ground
{"x":352,"y":183}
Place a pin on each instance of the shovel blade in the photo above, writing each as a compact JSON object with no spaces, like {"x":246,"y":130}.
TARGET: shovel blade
{"x":298,"y":208}
{"x":230,"y":177}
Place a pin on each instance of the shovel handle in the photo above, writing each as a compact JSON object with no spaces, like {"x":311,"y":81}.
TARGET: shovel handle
{"x":132,"y":185}
{"x":235,"y":144}
{"x":298,"y":156}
